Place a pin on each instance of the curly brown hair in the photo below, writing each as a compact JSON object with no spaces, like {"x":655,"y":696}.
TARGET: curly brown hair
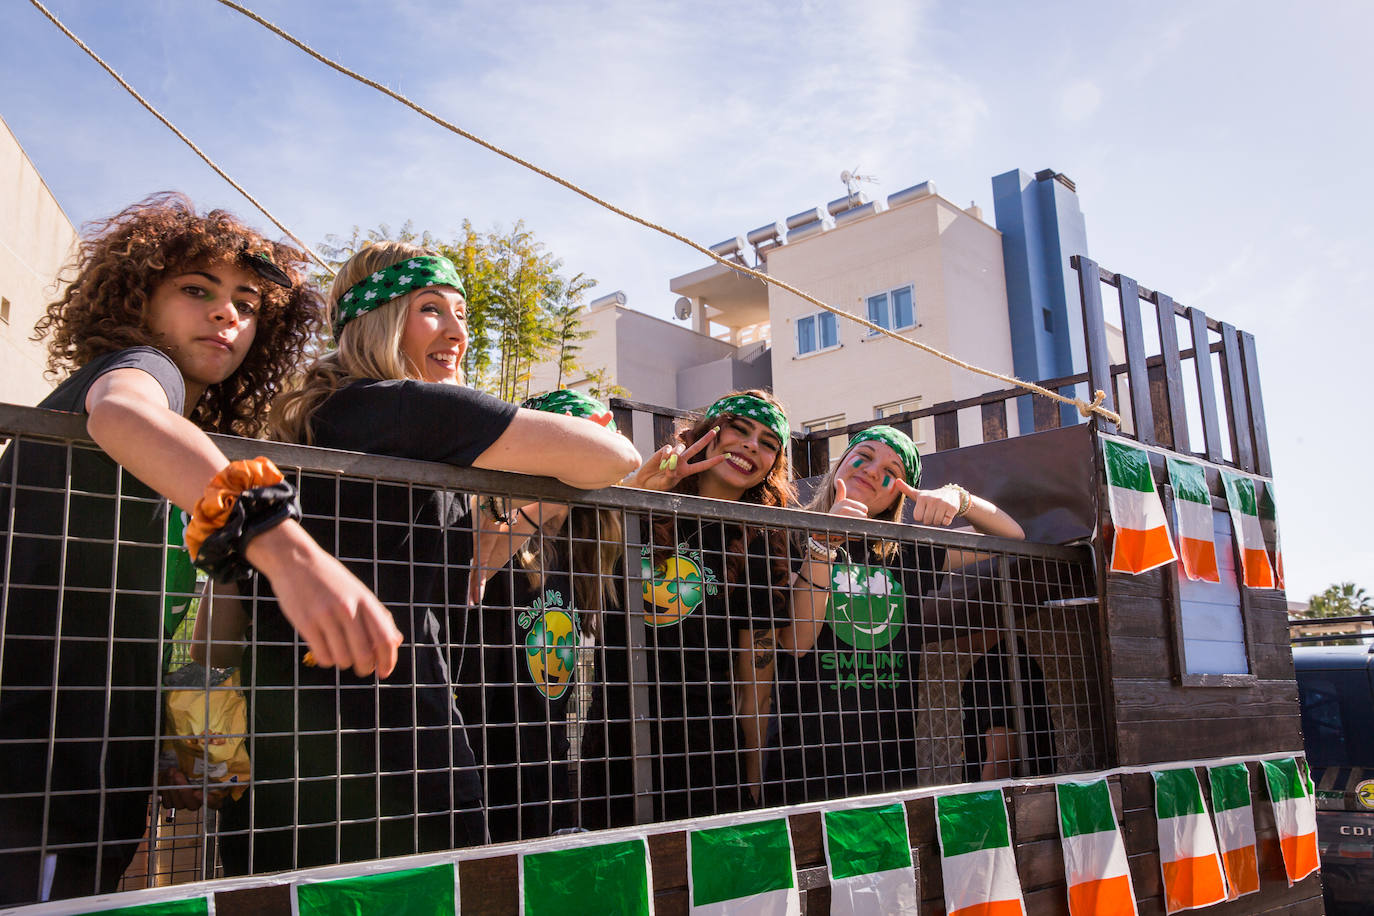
{"x":119,"y":265}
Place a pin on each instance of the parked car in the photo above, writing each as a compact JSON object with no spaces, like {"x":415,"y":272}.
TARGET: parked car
{"x":1336,"y":687}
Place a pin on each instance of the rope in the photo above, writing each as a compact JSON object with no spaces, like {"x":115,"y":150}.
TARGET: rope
{"x":1084,"y":407}
{"x":184,"y":139}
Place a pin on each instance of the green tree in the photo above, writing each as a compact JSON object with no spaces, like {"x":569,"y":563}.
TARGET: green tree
{"x":602,"y":388}
{"x":564,"y":331}
{"x":1344,"y":599}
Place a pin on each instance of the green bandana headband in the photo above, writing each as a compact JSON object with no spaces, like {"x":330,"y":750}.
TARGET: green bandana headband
{"x":754,"y":408}
{"x":573,"y":404}
{"x":899,"y":442}
{"x":377,"y":289}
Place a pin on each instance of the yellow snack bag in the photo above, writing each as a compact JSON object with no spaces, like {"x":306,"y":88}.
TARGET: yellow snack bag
{"x":208,"y":729}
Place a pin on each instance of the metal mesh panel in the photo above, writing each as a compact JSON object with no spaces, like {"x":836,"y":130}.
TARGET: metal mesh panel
{"x":620,"y":668}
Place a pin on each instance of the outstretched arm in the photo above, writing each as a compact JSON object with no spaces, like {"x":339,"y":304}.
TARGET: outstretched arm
{"x":580,"y":453}
{"x":340,"y":619}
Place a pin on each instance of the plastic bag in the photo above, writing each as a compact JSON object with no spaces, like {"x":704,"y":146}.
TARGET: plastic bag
{"x":208,"y":729}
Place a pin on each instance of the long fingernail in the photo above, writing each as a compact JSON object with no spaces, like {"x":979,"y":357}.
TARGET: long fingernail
{"x":663,"y":465}
{"x":672,"y":463}
{"x":715,"y":430}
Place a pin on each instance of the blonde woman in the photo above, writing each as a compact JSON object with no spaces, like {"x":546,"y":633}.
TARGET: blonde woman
{"x":362,"y":754}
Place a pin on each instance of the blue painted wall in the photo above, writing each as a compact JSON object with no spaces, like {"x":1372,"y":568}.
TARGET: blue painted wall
{"x":1042,"y":227}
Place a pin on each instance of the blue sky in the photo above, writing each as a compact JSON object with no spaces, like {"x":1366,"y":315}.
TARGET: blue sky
{"x":1221,"y":149}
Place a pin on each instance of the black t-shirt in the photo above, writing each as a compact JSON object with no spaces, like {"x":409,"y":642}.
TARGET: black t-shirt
{"x":61,"y":618}
{"x":354,"y":742}
{"x":516,"y":679}
{"x":847,"y":709}
{"x":703,"y":585}
{"x":987,"y":699}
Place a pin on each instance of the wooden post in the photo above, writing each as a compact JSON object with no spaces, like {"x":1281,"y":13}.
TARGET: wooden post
{"x":946,"y":431}
{"x":1095,"y":339}
{"x":1173,"y":373}
{"x":995,"y":421}
{"x":1252,"y":388}
{"x":1239,"y":416}
{"x":1142,"y":413}
{"x":1206,"y":391}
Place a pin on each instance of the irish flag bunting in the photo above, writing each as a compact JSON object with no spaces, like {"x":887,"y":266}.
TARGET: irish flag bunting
{"x":1187,"y":849}
{"x":1095,"y":870}
{"x":1142,"y":535}
{"x":1269,"y":515}
{"x":869,"y":853}
{"x":1235,"y":819}
{"x":1240,"y":498}
{"x":612,"y":877}
{"x":742,"y":870}
{"x":1295,"y":815}
{"x":976,"y":856}
{"x":1197,"y":547}
{"x":198,"y":906}
{"x":430,"y":891}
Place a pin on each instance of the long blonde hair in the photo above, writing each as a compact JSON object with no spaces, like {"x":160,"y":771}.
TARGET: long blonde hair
{"x":368,"y":348}
{"x":591,"y":541}
{"x":823,"y":500}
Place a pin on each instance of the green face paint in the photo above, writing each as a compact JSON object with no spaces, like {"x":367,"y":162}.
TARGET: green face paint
{"x":857,"y":463}
{"x":887,"y":480}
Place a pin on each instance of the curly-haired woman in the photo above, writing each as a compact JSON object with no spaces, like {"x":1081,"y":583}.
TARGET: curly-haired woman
{"x":175,"y":324}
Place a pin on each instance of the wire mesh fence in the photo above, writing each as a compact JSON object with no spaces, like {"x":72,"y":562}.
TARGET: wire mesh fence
{"x":639,"y":657}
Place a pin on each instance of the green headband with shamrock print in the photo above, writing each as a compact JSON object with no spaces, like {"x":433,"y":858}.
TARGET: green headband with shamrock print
{"x":899,"y":442}
{"x":753,"y":408}
{"x":380,"y":287}
{"x":574,"y":404}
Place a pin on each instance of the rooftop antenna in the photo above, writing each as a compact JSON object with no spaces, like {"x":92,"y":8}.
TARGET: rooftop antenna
{"x":851,"y":181}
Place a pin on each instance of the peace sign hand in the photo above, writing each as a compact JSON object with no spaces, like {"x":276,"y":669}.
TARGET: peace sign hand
{"x":670,"y":464}
{"x":931,"y":507}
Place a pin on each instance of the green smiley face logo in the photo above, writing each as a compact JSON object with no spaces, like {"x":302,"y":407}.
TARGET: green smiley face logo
{"x":867,"y":605}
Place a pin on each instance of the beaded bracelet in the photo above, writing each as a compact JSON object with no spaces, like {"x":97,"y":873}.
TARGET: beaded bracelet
{"x":965,"y":499}
{"x":819,"y":551}
{"x":242,"y":501}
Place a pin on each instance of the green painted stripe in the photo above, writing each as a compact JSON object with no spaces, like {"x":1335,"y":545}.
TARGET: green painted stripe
{"x":1177,"y":793}
{"x":1230,"y":786}
{"x":1267,"y":509}
{"x":862,"y":841}
{"x":1240,"y":493}
{"x":413,"y":892}
{"x":1085,"y":807}
{"x":1128,"y":467}
{"x":1284,"y":780}
{"x":740,"y":861}
{"x":1189,"y":480}
{"x":200,"y":906}
{"x":612,"y":877}
{"x":972,"y":822}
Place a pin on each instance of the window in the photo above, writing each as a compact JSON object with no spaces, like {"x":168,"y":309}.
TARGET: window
{"x":817,"y":332}
{"x":1047,"y":319}
{"x":835,"y":444}
{"x":892,"y":310}
{"x":886,"y":410}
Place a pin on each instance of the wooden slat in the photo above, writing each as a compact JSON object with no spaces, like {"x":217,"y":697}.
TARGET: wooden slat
{"x":1173,"y":372}
{"x":946,"y":431}
{"x":1046,"y":413}
{"x":1132,"y":330}
{"x":1206,"y":390}
{"x":663,"y":430}
{"x":995,"y":421}
{"x":1236,"y":398}
{"x":1095,"y":337}
{"x":1159,"y":406}
{"x":624,"y":420}
{"x":1258,"y":428}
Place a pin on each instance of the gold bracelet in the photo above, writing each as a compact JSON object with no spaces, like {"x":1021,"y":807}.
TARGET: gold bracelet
{"x":965,"y":499}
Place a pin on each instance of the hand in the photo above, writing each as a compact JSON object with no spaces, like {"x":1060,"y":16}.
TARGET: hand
{"x":339,"y":618}
{"x":670,"y":464}
{"x":176,"y":792}
{"x":845,"y":508}
{"x":931,"y":507}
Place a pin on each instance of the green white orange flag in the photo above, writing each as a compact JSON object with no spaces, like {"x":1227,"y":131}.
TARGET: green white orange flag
{"x":1295,"y":815}
{"x":428,"y":891}
{"x":1269,"y":515}
{"x":1142,"y":535}
{"x":1240,"y":498}
{"x":609,"y":877}
{"x":976,"y":856}
{"x":1188,"y":854}
{"x":869,"y":853}
{"x":1095,"y":870}
{"x":1235,"y":820}
{"x":1197,"y":548}
{"x":742,"y":870}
